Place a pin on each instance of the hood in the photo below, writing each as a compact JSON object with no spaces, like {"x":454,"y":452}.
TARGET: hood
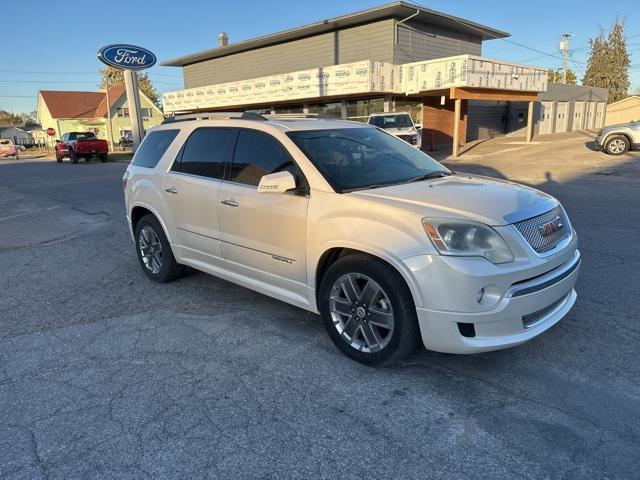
{"x":482,"y":199}
{"x":620,"y":125}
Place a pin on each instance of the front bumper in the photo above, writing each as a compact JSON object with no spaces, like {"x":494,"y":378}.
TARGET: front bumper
{"x":525,"y":310}
{"x":599,"y":142}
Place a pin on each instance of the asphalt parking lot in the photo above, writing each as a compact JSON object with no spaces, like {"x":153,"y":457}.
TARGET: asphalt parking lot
{"x":104,"y":374}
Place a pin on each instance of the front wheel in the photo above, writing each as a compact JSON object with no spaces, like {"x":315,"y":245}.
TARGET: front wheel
{"x":104,"y":157}
{"x":368,"y":310}
{"x":73,"y":156}
{"x":58,"y":157}
{"x":154,"y":251}
{"x":617,"y":145}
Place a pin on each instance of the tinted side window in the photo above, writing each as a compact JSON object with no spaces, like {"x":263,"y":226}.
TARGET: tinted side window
{"x":153,"y":147}
{"x":258,"y":154}
{"x":206,"y":151}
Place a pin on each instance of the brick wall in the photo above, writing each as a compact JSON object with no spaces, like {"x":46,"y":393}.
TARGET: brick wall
{"x":437,"y":122}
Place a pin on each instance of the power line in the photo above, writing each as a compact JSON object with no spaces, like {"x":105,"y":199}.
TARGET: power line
{"x":71,"y":82}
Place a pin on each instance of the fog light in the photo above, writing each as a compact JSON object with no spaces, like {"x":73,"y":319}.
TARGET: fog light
{"x":489,"y":295}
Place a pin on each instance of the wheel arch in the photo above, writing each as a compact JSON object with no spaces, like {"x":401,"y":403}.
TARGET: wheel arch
{"x":627,"y":135}
{"x":332,"y":254}
{"x":140,"y":210}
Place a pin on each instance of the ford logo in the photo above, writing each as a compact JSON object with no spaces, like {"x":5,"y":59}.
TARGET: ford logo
{"x":126,"y":57}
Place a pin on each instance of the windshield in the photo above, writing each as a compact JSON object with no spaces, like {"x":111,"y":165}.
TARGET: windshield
{"x":359,"y":158}
{"x":391,"y":121}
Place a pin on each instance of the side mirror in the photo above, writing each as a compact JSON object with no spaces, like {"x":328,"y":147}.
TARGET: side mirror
{"x":418,"y":126}
{"x":278,"y":182}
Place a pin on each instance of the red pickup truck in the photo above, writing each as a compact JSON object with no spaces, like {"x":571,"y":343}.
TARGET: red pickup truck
{"x":76,"y":145}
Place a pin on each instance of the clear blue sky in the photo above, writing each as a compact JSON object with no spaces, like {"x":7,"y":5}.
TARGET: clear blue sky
{"x":49,"y":46}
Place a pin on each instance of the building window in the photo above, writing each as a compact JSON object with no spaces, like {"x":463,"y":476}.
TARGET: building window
{"x":359,"y":110}
{"x":260,"y":111}
{"x":412,"y":106}
{"x":124,"y":112}
{"x":288,"y":109}
{"x":332,"y":109}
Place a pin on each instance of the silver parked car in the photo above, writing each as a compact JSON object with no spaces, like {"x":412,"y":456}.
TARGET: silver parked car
{"x":345,"y":220}
{"x":620,"y":138}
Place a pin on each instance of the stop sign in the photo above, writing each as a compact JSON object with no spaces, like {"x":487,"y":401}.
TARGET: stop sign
{"x":51,"y":132}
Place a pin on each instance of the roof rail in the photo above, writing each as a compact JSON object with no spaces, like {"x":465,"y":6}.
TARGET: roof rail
{"x":213,"y":116}
{"x":286,"y":116}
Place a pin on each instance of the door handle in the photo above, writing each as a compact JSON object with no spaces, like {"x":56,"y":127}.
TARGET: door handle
{"x":171,"y":190}
{"x":231,"y":203}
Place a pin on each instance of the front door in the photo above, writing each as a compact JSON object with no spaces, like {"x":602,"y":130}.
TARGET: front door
{"x":191,"y":192}
{"x":263,"y":234}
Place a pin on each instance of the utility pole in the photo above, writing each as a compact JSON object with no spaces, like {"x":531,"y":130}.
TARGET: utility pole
{"x":564,"y":48}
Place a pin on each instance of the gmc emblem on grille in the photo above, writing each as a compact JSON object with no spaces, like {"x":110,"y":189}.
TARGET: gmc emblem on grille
{"x":551,"y":227}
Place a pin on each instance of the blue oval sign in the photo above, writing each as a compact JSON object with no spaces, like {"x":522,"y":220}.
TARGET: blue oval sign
{"x":127,"y":57}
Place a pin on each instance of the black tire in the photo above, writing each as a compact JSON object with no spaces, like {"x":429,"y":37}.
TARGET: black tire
{"x":104,"y":157}
{"x":170,"y":269}
{"x":73,"y":156}
{"x":617,"y":145}
{"x":58,"y":157}
{"x":404,"y":337}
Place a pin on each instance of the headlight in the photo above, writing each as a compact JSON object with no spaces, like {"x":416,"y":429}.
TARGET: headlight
{"x":467,"y":239}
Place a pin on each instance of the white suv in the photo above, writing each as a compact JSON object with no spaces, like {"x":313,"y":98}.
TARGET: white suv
{"x":399,"y":124}
{"x":343,"y":219}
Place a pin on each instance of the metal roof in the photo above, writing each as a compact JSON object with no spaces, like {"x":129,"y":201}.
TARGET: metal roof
{"x":398,"y":9}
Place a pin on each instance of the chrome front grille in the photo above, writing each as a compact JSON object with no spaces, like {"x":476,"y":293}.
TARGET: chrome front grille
{"x":531,"y":319}
{"x":530,"y":229}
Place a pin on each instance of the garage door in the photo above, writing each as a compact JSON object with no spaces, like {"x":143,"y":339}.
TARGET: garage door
{"x":600,"y":109}
{"x":591,"y":115}
{"x":578,"y":116}
{"x":561,"y":117}
{"x":486,"y":120}
{"x":545,"y":120}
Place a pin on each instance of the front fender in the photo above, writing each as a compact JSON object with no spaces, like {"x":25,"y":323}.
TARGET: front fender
{"x":625,"y":132}
{"x":381,"y":253}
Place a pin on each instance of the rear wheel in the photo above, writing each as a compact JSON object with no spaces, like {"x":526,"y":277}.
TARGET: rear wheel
{"x":104,"y":157}
{"x":154,"y":251}
{"x":617,"y":145}
{"x":368,"y":310}
{"x":73,"y":156}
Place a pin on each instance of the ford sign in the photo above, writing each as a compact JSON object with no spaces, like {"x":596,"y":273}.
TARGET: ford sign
{"x":127,"y":57}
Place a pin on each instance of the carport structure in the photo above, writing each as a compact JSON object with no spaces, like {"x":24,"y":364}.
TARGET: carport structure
{"x":445,"y":113}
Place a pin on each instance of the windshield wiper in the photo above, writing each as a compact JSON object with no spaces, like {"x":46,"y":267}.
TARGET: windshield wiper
{"x":427,"y":176}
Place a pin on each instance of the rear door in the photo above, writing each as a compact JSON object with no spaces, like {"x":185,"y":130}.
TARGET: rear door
{"x":263,"y":234}
{"x":191,"y":193}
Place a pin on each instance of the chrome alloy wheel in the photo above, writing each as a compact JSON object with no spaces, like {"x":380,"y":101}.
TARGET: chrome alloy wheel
{"x":361,"y":312}
{"x":150,"y":249}
{"x":617,"y":145}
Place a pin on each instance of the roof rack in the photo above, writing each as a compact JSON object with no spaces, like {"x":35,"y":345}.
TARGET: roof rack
{"x":214,"y":116}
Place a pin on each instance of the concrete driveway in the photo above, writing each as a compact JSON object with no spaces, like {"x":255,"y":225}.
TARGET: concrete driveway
{"x":106,"y":375}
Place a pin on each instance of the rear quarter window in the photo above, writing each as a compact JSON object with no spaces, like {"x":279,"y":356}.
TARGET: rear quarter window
{"x":153,"y":147}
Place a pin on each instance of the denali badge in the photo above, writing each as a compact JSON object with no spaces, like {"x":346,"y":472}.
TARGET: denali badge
{"x":551,"y":227}
{"x":283,"y":259}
